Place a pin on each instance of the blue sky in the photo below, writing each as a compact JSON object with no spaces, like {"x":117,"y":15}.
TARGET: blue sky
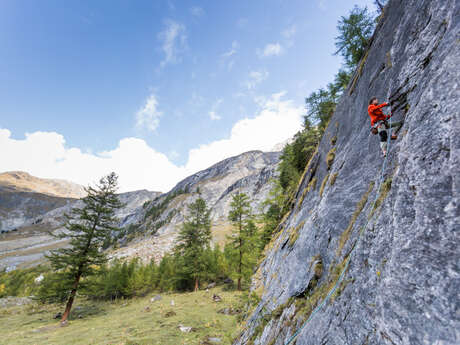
{"x":173,"y":77}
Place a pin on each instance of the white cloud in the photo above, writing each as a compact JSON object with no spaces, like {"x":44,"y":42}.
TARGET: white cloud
{"x":148,"y":116}
{"x":289,"y":32}
{"x":214,"y":116}
{"x":174,"y":41}
{"x":277,"y":121}
{"x":276,"y":48}
{"x":45,"y":154}
{"x":232,"y":51}
{"x":213,"y":113}
{"x":255,"y":78}
{"x":197,"y":11}
{"x":271,"y":49}
{"x":227,"y":58}
{"x":173,"y":154}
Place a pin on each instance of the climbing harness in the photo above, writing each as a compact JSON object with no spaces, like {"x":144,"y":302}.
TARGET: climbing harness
{"x":374,"y":128}
{"x":342,"y":274}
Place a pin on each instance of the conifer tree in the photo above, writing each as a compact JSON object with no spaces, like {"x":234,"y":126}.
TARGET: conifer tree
{"x":354,"y":34}
{"x":194,"y":237}
{"x":87,"y":227}
{"x":243,"y":236}
{"x":273,"y":209}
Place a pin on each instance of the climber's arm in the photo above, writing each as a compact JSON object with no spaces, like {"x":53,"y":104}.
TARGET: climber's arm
{"x":381,"y":105}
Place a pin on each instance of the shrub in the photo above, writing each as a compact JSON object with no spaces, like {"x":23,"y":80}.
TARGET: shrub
{"x":330,"y":158}
{"x":294,"y":235}
{"x":384,"y":189}
{"x":333,"y":178}
{"x":20,"y":282}
{"x":323,"y":185}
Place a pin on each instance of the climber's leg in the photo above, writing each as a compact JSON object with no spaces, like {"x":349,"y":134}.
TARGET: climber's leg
{"x":383,"y":146}
{"x":398,"y":126}
{"x":383,"y":138}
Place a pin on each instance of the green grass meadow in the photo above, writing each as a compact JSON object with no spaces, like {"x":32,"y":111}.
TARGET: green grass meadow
{"x":136,"y":321}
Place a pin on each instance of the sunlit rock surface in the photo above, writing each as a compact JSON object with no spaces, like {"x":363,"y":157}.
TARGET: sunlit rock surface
{"x":403,"y":281}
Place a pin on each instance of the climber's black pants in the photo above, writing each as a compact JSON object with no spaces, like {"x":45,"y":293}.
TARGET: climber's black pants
{"x":383,"y":134}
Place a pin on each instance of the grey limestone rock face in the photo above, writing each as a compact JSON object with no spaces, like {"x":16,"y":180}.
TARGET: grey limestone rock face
{"x":402,"y":283}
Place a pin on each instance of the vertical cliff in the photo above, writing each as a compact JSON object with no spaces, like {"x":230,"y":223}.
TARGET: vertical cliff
{"x":391,"y":249}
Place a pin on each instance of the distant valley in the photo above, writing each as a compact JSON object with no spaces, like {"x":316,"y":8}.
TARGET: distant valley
{"x":31,"y":206}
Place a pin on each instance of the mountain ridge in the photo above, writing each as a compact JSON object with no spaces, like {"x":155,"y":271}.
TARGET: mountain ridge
{"x":22,"y":181}
{"x":157,"y":223}
{"x":142,"y":236}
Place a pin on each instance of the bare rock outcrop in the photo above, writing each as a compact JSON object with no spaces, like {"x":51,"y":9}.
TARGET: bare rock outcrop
{"x":395,"y":261}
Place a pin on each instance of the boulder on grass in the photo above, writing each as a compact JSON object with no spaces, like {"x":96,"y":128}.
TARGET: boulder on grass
{"x":170,"y":313}
{"x":211,"y":285}
{"x":156,"y":298}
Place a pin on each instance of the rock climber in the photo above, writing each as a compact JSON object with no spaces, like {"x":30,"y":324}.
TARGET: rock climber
{"x":379,"y":123}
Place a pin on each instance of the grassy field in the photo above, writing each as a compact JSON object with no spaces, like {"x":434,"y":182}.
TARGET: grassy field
{"x":136,"y":321}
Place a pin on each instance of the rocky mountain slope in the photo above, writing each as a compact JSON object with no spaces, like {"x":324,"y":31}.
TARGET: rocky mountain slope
{"x":24,"y":197}
{"x":155,"y":226}
{"x":150,"y":220}
{"x":20,"y":181}
{"x":35,"y":214}
{"x":392,"y":252}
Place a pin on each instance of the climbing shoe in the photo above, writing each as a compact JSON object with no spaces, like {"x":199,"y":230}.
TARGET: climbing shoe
{"x":394,"y":137}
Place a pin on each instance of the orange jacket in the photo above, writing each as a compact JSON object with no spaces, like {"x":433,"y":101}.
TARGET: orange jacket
{"x":376,"y":114}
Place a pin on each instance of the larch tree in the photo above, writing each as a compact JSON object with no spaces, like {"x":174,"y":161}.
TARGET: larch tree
{"x":243,"y":236}
{"x":354,"y":34}
{"x":193,"y":239}
{"x":87,"y":228}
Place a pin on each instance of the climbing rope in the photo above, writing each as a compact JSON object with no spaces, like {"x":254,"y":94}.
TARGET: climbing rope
{"x":342,"y":274}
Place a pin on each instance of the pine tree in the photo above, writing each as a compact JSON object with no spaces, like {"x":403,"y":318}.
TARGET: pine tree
{"x":273,"y":209}
{"x":354,"y":34}
{"x":194,"y":237}
{"x":243,"y":235}
{"x":166,"y":273}
{"x":87,"y":227}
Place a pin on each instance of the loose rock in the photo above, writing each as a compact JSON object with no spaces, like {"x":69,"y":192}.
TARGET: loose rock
{"x":211,"y":285}
{"x":156,"y":298}
{"x":185,"y":329}
{"x":170,"y":313}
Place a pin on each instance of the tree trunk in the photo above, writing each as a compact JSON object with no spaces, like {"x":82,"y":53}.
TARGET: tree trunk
{"x":71,"y":298}
{"x":196,"y":284}
{"x":240,"y":263}
{"x":79,"y":273}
